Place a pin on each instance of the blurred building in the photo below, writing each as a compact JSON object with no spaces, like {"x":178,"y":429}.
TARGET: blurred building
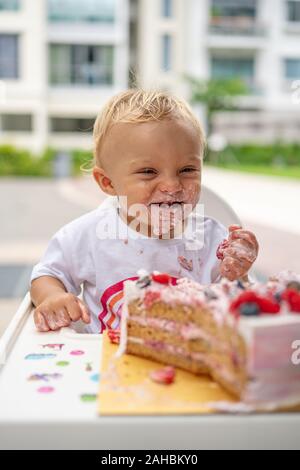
{"x":59,"y":62}
{"x":256,"y":40}
{"x":61,"y":59}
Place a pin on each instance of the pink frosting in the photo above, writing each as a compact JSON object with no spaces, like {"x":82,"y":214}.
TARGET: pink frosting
{"x":188,"y":331}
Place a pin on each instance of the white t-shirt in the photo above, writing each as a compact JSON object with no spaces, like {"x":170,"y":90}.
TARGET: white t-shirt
{"x":86,"y":253}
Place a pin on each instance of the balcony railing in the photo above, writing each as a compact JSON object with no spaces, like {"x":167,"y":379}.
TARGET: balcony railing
{"x":80,"y":11}
{"x":235,"y":26}
{"x":83,"y":74}
{"x":74,"y":17}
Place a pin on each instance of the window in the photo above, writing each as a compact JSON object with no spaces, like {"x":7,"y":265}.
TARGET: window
{"x":233,"y":8}
{"x":292,"y":69}
{"x":233,"y":68}
{"x":8,"y":56}
{"x":167,"y":7}
{"x":81,"y":65}
{"x":16,"y":122}
{"x":9,"y":5}
{"x":63,"y":124}
{"x":166,"y":52}
{"x":97,"y":11}
{"x":293,"y":11}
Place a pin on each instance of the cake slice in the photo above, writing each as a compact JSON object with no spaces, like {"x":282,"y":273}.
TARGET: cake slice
{"x":244,"y":336}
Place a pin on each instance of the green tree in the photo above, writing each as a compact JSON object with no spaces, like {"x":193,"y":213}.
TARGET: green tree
{"x":217,"y":94}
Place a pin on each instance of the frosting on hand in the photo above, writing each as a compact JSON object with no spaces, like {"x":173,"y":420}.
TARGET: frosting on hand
{"x":237,"y":253}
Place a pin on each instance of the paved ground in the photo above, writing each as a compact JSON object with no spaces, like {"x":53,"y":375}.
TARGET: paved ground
{"x":31,"y":210}
{"x":34,"y":208}
{"x":269,"y":206}
{"x":265,"y":200}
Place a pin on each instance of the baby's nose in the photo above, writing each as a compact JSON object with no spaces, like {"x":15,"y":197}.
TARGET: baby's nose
{"x":170,"y":185}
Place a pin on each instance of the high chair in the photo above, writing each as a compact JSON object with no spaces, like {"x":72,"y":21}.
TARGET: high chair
{"x":38,"y":412}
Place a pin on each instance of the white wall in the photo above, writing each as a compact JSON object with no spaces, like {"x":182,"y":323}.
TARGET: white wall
{"x":28,"y":93}
{"x":32,"y":94}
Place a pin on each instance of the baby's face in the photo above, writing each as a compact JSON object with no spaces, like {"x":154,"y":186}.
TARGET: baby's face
{"x":156,"y":164}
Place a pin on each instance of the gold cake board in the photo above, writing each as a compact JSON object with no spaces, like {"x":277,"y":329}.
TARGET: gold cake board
{"x":126,"y":389}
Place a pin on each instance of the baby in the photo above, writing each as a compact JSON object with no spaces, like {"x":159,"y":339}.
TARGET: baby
{"x":148,"y":152}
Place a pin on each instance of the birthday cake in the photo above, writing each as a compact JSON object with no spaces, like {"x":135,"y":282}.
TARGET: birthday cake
{"x":245,"y":336}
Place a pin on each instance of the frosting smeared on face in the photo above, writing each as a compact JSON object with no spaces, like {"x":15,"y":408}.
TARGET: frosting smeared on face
{"x":156,"y":166}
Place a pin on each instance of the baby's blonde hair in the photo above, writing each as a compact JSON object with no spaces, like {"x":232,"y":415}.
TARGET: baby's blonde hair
{"x":137,"y":106}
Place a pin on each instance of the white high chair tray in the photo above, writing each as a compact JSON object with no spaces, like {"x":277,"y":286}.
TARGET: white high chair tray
{"x":48,"y":386}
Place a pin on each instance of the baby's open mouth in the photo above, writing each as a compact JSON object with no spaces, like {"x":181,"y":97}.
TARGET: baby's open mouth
{"x":165,"y":203}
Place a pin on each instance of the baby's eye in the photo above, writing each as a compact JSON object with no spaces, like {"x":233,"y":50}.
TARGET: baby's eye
{"x":188,"y":170}
{"x":147,"y":171}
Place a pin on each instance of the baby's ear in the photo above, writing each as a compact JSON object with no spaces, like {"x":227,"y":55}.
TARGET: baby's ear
{"x":103,"y":181}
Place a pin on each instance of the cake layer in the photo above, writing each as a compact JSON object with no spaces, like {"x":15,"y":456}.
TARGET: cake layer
{"x":183,"y":314}
{"x":177,"y":316}
{"x":198,"y":363}
{"x":165,"y":357}
{"x":233,"y":356}
{"x":149,"y":333}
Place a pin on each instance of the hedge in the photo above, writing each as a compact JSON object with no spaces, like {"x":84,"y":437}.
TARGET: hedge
{"x":18,"y":162}
{"x":277,"y":154}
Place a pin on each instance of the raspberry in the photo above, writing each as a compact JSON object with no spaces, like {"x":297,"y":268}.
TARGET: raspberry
{"x":161,"y":278}
{"x":114,"y":336}
{"x":165,"y":376}
{"x":246,"y":296}
{"x":292,"y":297}
{"x":268,"y":306}
{"x":221,"y":248}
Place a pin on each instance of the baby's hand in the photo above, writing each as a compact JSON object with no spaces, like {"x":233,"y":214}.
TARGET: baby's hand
{"x":238,"y":253}
{"x":58,"y":311}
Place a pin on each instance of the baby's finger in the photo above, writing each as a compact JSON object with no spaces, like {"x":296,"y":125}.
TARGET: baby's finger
{"x":245,"y":235}
{"x":85,"y":315}
{"x":40,"y":321}
{"x":241,"y":266}
{"x":73,"y":309}
{"x":240,"y":253}
{"x":226,"y":265}
{"x":52,"y":320}
{"x":63,"y":317}
{"x":232,"y":228}
{"x":233,"y":269}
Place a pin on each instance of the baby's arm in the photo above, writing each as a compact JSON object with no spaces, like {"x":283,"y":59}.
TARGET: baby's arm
{"x":55,"y":308}
{"x":57,"y":279}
